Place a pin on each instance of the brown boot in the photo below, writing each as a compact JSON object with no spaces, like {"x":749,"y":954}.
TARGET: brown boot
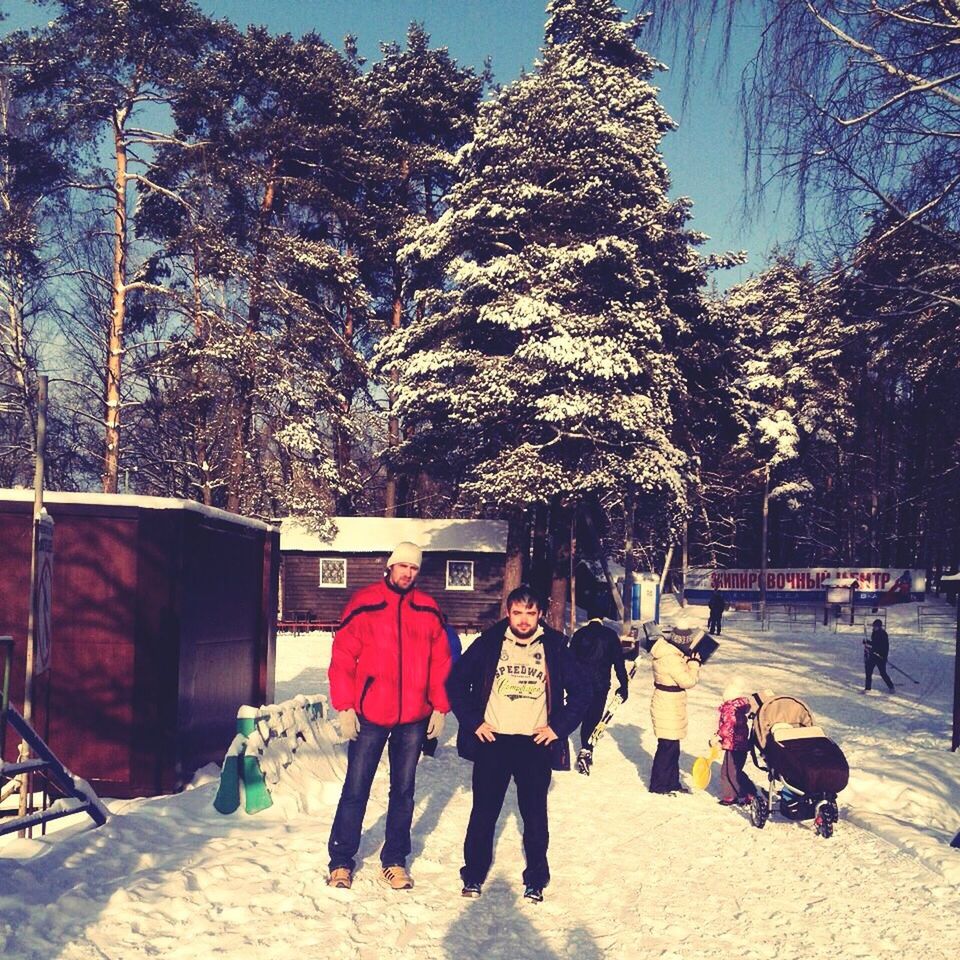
{"x":341,"y":877}
{"x":396,"y":877}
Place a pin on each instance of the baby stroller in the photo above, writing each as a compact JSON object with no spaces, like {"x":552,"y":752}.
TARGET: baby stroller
{"x":798,"y":754}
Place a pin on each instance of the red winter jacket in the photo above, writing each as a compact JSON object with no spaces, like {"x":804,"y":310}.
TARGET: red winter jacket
{"x":733,"y":730}
{"x":390,"y":657}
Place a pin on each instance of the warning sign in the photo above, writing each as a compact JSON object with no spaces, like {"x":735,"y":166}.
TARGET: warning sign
{"x":43,"y":594}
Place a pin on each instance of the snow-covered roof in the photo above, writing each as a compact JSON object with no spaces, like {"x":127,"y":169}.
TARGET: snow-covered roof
{"x":840,"y":582}
{"x":382,"y":534}
{"x":134,"y":500}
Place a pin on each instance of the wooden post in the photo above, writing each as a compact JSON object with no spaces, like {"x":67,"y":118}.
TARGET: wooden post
{"x":954,"y":581}
{"x":956,"y":684}
{"x":26,"y":785}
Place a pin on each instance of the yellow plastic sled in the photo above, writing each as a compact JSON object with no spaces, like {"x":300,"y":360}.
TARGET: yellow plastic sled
{"x":703,"y":767}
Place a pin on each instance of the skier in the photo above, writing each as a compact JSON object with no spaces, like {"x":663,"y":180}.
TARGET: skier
{"x":875,"y":653}
{"x":390,"y":660}
{"x":716,"y":605}
{"x":507,"y":691}
{"x":596,"y":649}
{"x":673,"y":674}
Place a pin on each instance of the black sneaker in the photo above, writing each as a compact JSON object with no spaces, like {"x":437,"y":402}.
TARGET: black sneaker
{"x":471,"y":890}
{"x":533,"y":893}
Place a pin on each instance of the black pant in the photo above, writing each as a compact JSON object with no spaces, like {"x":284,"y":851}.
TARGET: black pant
{"x":881,"y":665}
{"x":713,"y":622}
{"x":594,"y":712}
{"x":529,"y":765}
{"x":665,"y":773}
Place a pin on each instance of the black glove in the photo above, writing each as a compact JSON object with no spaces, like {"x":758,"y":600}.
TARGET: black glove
{"x":622,"y":693}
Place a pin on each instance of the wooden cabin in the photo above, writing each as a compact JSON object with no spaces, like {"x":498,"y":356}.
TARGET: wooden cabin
{"x":463,"y":566}
{"x":163,"y":624}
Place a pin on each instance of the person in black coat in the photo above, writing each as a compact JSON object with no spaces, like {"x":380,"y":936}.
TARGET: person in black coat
{"x":875,"y":653}
{"x":518,"y":695}
{"x":716,"y":605}
{"x":597,"y":649}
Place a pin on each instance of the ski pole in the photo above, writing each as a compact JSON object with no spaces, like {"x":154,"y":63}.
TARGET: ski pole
{"x":907,"y":675}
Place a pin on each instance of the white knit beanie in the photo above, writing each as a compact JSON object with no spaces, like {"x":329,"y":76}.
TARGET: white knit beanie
{"x":406,"y":552}
{"x":735,"y":688}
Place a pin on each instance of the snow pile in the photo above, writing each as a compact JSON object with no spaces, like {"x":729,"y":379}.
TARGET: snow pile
{"x":286,"y":756}
{"x":299,"y":753}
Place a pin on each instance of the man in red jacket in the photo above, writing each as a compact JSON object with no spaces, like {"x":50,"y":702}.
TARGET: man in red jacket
{"x":387,"y":673}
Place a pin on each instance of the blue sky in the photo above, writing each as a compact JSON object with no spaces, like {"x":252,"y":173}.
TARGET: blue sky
{"x":704,"y":155}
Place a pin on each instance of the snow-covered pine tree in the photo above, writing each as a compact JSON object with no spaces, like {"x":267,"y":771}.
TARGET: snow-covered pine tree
{"x":259,"y":247}
{"x":542,"y":367}
{"x":788,"y":398}
{"x":429,"y":104}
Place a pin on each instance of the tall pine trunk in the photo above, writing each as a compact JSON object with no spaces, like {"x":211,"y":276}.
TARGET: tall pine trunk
{"x":393,"y":422}
{"x":198,"y":373}
{"x":539,"y":573}
{"x":118,"y":299}
{"x":628,"y":517}
{"x":243,"y":420}
{"x":559,"y":563}
{"x":518,"y":539}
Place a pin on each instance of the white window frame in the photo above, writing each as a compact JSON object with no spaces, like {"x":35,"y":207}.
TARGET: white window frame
{"x":331,"y":586}
{"x":472,"y":586}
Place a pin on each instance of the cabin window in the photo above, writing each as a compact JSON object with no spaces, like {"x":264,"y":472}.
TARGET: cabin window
{"x":333,"y":572}
{"x":459,"y":574}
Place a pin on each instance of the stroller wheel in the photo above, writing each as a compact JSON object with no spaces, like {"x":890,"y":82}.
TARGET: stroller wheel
{"x":759,"y":810}
{"x":826,"y":816}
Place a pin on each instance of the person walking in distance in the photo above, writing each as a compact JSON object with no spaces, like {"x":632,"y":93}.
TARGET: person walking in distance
{"x":390,"y":661}
{"x":508,"y":692}
{"x":716,"y":605}
{"x":876,"y":649}
{"x":597,"y":649}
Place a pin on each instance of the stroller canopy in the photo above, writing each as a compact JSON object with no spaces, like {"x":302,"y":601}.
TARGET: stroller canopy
{"x":780,"y":710}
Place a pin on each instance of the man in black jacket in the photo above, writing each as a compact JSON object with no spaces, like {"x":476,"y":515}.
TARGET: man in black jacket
{"x":597,"y":649}
{"x":716,"y":605}
{"x":507,"y":691}
{"x":875,"y":653}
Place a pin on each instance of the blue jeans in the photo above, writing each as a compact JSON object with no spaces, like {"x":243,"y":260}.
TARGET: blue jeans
{"x":363,"y":756}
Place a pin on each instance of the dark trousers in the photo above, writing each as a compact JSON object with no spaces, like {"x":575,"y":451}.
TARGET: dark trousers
{"x":594,"y":712}
{"x":881,"y":666}
{"x":363,"y":756}
{"x":734,"y":783}
{"x":665,"y":773}
{"x":529,"y":766}
{"x":714,"y":622}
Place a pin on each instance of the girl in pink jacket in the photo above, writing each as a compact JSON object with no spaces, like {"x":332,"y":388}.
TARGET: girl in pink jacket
{"x":733,"y":736}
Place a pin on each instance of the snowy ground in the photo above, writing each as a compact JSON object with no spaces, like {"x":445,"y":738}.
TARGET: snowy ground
{"x":635,"y":875}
